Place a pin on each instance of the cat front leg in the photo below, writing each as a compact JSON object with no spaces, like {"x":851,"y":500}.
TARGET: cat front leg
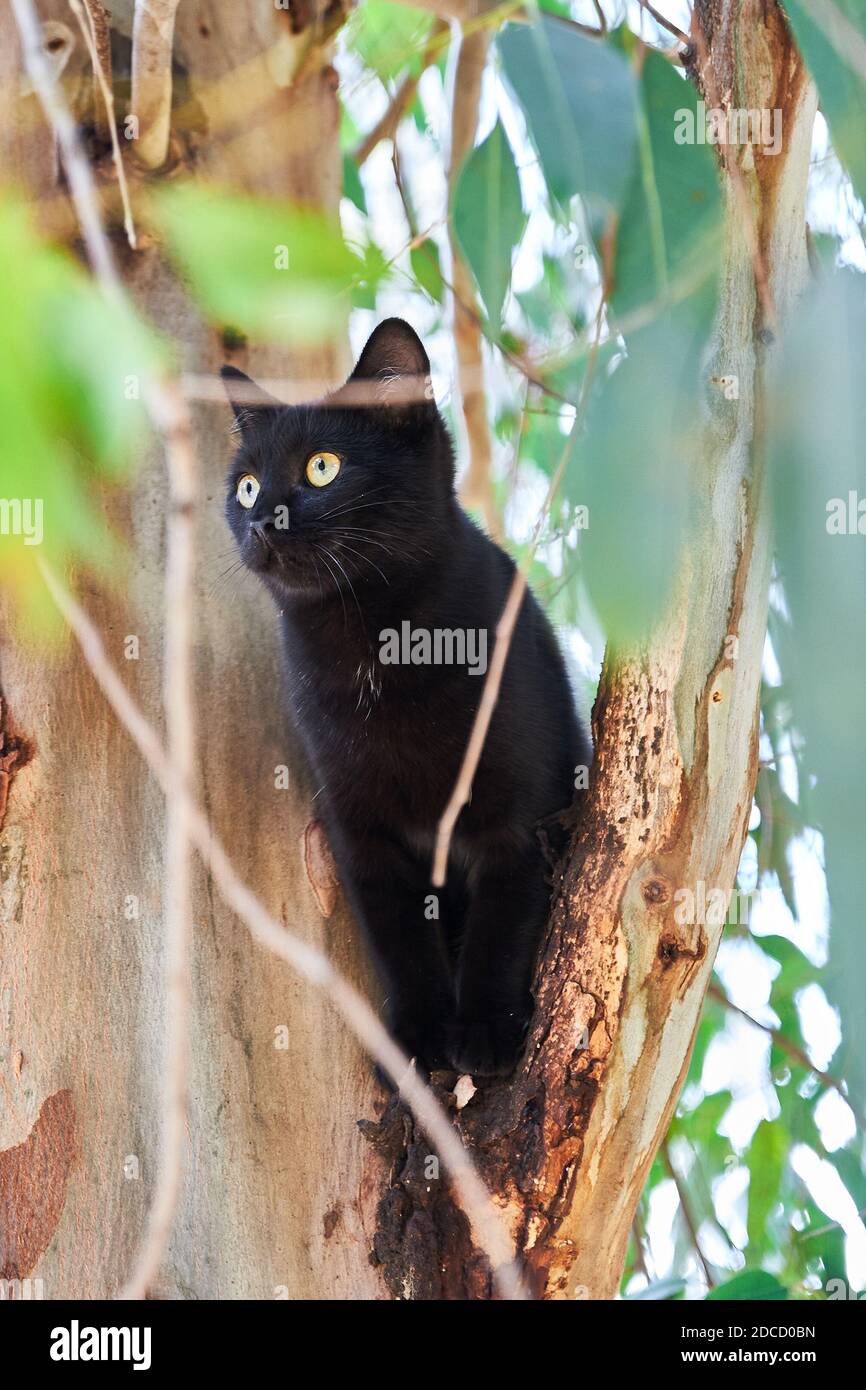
{"x":390,"y":891}
{"x":508,"y":910}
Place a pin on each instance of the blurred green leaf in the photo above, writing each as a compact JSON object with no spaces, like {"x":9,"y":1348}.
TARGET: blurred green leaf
{"x":796,"y":968}
{"x":578,"y":95}
{"x":765,"y":1159}
{"x":276,"y":270}
{"x":70,"y":410}
{"x":818,"y":466}
{"x":671,"y":222}
{"x":352,"y":185}
{"x":752,"y":1285}
{"x":657,"y":1291}
{"x":828,"y":45}
{"x":387,"y":37}
{"x":489,"y":218}
{"x":633,"y":469}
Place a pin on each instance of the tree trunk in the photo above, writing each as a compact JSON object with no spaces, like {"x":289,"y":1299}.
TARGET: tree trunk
{"x":566,"y":1147}
{"x":274,"y":1196}
{"x":283,"y":1193}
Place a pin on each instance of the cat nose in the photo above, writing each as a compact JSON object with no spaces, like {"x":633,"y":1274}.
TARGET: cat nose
{"x":264,"y":529}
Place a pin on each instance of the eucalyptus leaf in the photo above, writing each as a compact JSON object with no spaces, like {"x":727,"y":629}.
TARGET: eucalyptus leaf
{"x":489,"y":218}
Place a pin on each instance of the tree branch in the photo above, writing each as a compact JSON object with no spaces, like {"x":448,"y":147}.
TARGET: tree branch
{"x":152,"y":44}
{"x":688,"y":1216}
{"x":402,"y":99}
{"x":95,"y":32}
{"x":786,"y":1044}
{"x":478,"y":483}
{"x":665,"y":23}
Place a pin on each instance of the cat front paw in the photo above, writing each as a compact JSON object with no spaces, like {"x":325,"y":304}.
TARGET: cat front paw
{"x":423,"y":1038}
{"x":487,"y":1046}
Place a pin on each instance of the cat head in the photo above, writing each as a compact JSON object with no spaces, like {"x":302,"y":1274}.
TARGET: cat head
{"x":351,"y":490}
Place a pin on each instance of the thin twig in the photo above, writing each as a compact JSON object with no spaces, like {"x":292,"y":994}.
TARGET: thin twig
{"x":78,"y":173}
{"x":96,"y":47}
{"x":688,"y":1217}
{"x":786,"y":1044}
{"x":665,"y":23}
{"x":477,"y":486}
{"x":177,"y":906}
{"x":504,"y":633}
{"x":404,"y":96}
{"x":488,"y":1226}
{"x":152,"y":45}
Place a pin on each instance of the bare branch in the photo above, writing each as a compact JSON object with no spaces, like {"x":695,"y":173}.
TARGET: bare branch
{"x":688,"y":1216}
{"x":95,"y":32}
{"x":665,"y":23}
{"x":404,"y":96}
{"x":152,"y":44}
{"x":468,"y":337}
{"x":177,"y":906}
{"x":786,"y":1044}
{"x":487,"y":1223}
{"x":504,"y":633}
{"x":78,"y":172}
{"x":170,"y":415}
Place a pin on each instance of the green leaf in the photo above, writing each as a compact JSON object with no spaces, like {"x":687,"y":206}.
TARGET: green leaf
{"x":352,"y":185}
{"x":753,"y":1285}
{"x":670,"y":230}
{"x":578,"y":95}
{"x":633,"y":469}
{"x":427,"y":269}
{"x":765,"y":1159}
{"x":387,"y":37}
{"x":818,"y":469}
{"x":829,"y":51}
{"x":276,"y":270}
{"x":796,"y":968}
{"x":70,"y":411}
{"x":658,"y":1291}
{"x":489,"y":218}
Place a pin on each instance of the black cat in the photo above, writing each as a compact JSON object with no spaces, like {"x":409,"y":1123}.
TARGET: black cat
{"x":346,"y":510}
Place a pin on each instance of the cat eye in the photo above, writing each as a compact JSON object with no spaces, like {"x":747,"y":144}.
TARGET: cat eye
{"x":247,"y":490}
{"x":322,"y":469}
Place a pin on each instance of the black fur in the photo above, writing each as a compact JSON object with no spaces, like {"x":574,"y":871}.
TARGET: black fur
{"x":384,"y":543}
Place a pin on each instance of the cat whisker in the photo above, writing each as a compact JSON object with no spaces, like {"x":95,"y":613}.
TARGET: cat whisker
{"x":336,"y":582}
{"x":345,"y":572}
{"x":346,"y":546}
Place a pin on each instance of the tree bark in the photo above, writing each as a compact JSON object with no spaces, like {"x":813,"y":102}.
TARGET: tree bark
{"x":276,"y":1198}
{"x":566,"y":1146}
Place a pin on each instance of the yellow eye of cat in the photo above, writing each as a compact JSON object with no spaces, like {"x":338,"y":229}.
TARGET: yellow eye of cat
{"x":322,"y":469}
{"x":247,"y":490}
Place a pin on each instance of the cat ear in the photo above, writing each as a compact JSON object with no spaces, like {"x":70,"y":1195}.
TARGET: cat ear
{"x":392,"y":349}
{"x":249,"y":402}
